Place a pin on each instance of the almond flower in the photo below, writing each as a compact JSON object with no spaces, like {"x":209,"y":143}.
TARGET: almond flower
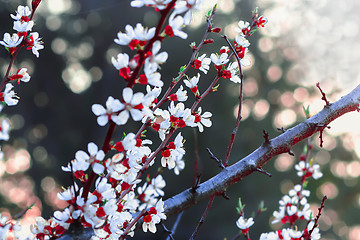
{"x":9,"y":96}
{"x":192,"y":84}
{"x":202,"y":63}
{"x":113,"y":106}
{"x":11,"y":41}
{"x":35,"y":43}
{"x":219,"y":61}
{"x":132,"y":106}
{"x":158,"y":4}
{"x":153,"y":216}
{"x":244,"y":224}
{"x":22,"y":13}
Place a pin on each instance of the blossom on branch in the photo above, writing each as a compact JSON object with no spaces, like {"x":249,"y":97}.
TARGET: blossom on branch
{"x":113,"y":106}
{"x":202,"y":63}
{"x":9,"y":96}
{"x":11,"y":42}
{"x":244,"y":224}
{"x":135,"y":37}
{"x":34,"y":43}
{"x":153,"y":216}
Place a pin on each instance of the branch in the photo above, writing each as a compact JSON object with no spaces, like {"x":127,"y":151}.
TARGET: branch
{"x":255,"y":160}
{"x":244,"y":167}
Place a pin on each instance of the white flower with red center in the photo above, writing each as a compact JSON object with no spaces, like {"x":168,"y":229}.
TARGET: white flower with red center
{"x":186,"y":6}
{"x":150,"y":98}
{"x":78,"y":168}
{"x":65,"y":217}
{"x":153,"y":216}
{"x":158,"y":4}
{"x":172,"y":151}
{"x":103,"y":190}
{"x":135,"y":37}
{"x":113,"y":106}
{"x":155,"y":58}
{"x":146,"y":200}
{"x":306,"y":170}
{"x":243,"y":28}
{"x":315,"y":234}
{"x":128,"y":143}
{"x":121,"y":63}
{"x":94,"y":159}
{"x":34,"y":43}
{"x":175,"y":27}
{"x":242,"y":41}
{"x":224,"y":49}
{"x":22,"y":14}
{"x":41,"y":228}
{"x":69,"y":194}
{"x":9,"y":96}
{"x":132,"y":106}
{"x":219,"y":61}
{"x":244,"y":224}
{"x":151,"y":76}
{"x":11,"y":42}
{"x":202,"y":119}
{"x":202,"y":63}
{"x":161,"y":123}
{"x":180,"y":95}
{"x":299,"y":191}
{"x":261,"y":21}
{"x":23,"y":27}
{"x":179,"y":115}
{"x":231,"y":72}
{"x":192,"y":84}
{"x":21,"y":75}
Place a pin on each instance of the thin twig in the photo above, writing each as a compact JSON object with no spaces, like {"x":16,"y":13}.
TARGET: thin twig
{"x":193,"y":236}
{"x":323,"y":95}
{"x":176,"y":224}
{"x":197,"y":158}
{"x":238,"y":118}
{"x":212,"y":156}
{"x":266,"y":137}
{"x":317,"y":216}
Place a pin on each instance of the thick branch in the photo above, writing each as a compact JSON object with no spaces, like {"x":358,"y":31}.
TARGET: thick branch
{"x":249,"y":164}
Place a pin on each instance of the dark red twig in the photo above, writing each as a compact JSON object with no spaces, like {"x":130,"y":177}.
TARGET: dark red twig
{"x":133,"y":222}
{"x":238,"y":118}
{"x":316,"y":219}
{"x":202,"y":220}
{"x":327,"y":103}
{"x":197,"y":157}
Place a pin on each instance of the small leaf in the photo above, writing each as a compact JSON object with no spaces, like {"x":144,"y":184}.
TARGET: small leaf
{"x":307,"y":111}
{"x":214,"y":89}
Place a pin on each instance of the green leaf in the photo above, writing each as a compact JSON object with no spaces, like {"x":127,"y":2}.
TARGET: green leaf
{"x":307,"y":111}
{"x":214,"y":89}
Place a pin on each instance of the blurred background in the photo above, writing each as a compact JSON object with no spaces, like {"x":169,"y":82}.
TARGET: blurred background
{"x":304,"y":42}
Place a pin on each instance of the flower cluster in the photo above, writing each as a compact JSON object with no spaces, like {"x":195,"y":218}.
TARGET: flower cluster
{"x":293,"y":207}
{"x":23,"y":37}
